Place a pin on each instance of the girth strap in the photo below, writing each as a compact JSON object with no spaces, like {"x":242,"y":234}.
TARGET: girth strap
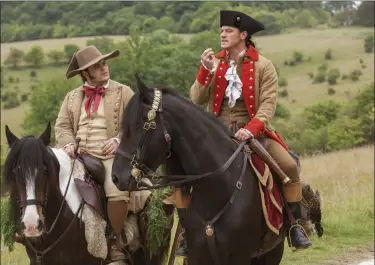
{"x":210,"y":232}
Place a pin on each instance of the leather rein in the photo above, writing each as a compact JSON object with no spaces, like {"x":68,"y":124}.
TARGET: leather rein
{"x":141,"y":171}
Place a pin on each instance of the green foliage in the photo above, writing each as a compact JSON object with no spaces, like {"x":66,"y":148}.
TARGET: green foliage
{"x":14,"y":58}
{"x":369,"y":44}
{"x":157,"y":220}
{"x":311,"y":75}
{"x":328,"y":54}
{"x":284,"y":93}
{"x":24,"y":97}
{"x":8,"y":231}
{"x":331,"y":91}
{"x":33,"y":74}
{"x":69,"y":50}
{"x":45,"y":103}
{"x":319,"y":77}
{"x":283,"y":82}
{"x":282,"y":112}
{"x":56,"y":56}
{"x":332,"y":76}
{"x":104,"y":44}
{"x":298,"y":56}
{"x":10,"y":100}
{"x":321,"y":114}
{"x":355,"y":74}
{"x":306,"y":20}
{"x":365,"y":14}
{"x":35,"y":56}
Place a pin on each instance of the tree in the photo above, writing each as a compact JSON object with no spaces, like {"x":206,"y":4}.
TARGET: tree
{"x":365,"y":14}
{"x":14,"y":58}
{"x":45,"y":103}
{"x":69,"y":50}
{"x":104,"y":44}
{"x":56,"y":55}
{"x":35,"y":56}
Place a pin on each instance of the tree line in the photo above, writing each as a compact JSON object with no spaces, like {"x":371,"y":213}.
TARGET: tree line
{"x":43,"y":20}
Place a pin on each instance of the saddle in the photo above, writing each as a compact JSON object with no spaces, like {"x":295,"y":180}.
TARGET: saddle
{"x":91,"y":189}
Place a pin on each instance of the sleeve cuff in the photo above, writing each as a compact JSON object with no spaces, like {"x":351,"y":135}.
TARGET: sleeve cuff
{"x":255,"y":126}
{"x":117,"y":139}
{"x":204,"y":76}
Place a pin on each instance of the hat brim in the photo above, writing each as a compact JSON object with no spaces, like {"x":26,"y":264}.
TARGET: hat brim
{"x":74,"y":72}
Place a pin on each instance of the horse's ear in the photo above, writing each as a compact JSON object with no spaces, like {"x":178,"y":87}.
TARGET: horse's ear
{"x":46,"y":135}
{"x":143,"y":89}
{"x":10,"y":136}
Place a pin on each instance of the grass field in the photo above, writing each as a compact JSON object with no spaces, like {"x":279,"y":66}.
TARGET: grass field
{"x":345,"y":181}
{"x":346,"y":43}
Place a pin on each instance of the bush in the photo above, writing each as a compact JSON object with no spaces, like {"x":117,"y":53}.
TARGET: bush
{"x":311,"y":75}
{"x":323,"y":67}
{"x":369,"y":44}
{"x":24,"y":97}
{"x":331,"y":91}
{"x":320,"y":77}
{"x":294,"y":101}
{"x":332,"y":76}
{"x":284,"y":93}
{"x":11,"y":103}
{"x":283,"y":82}
{"x":363,"y":66}
{"x":32,"y":73}
{"x":298,"y":56}
{"x":354,"y":75}
{"x":11,"y":79}
{"x":361,"y":61}
{"x":344,"y":77}
{"x":282,"y":112}
{"x":286,"y":62}
{"x":328,"y":54}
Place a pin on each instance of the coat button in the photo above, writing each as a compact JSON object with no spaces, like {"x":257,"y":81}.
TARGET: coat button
{"x":251,"y":96}
{"x":219,"y":76}
{"x":217,"y":95}
{"x":250,"y":78}
{"x":215,"y":113}
{"x":252,"y":115}
{"x":251,"y":69}
{"x":117,"y":103}
{"x":215,"y":104}
{"x":205,"y":82}
{"x":217,"y":86}
{"x":251,"y":106}
{"x":221,"y":68}
{"x":251,"y":87}
{"x":251,"y":62}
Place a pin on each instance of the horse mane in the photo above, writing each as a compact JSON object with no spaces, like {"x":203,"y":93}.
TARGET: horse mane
{"x":27,"y":151}
{"x":133,"y":110}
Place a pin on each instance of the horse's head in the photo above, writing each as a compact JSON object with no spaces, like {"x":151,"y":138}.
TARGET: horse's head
{"x":146,"y":138}
{"x":28,"y":170}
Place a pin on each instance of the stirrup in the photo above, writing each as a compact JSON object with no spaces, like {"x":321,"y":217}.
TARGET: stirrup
{"x":289,"y":237}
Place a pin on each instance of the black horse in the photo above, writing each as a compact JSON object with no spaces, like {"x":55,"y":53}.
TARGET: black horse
{"x":224,"y":223}
{"x":32,"y":172}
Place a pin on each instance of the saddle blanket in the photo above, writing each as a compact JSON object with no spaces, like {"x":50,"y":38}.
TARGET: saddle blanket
{"x":269,"y":193}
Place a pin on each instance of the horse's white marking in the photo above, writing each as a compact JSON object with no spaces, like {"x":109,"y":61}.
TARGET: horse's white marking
{"x":31,"y":217}
{"x":72,"y":198}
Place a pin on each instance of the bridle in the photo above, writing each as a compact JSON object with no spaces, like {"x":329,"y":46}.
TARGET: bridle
{"x":141,"y":171}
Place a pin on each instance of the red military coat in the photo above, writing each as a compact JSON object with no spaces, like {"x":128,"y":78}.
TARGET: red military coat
{"x":259,"y":90}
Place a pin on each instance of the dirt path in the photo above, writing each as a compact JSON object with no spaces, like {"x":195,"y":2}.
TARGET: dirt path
{"x":356,"y":256}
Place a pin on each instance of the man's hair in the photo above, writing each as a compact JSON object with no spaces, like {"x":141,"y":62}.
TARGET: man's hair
{"x":82,"y":77}
{"x":248,"y":41}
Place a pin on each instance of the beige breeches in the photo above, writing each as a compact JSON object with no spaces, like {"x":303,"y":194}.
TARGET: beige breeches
{"x":292,"y":192}
{"x":111,"y":191}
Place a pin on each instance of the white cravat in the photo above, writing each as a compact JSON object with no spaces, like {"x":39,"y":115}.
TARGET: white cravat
{"x":234,"y":88}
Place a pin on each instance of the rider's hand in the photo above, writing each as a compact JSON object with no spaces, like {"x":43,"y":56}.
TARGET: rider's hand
{"x":207,"y":59}
{"x":69,"y":150}
{"x":243,"y":135}
{"x":110,"y":146}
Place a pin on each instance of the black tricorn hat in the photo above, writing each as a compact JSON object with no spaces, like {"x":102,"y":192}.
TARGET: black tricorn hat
{"x":241,"y":21}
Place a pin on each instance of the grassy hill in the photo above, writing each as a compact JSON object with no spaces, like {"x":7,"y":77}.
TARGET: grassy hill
{"x":346,"y":44}
{"x":345,"y":181}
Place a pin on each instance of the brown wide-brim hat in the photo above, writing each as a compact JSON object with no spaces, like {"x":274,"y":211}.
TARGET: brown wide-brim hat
{"x":85,"y":58}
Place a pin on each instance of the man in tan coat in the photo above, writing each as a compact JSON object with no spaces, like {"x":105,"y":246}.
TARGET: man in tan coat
{"x":94,"y":112}
{"x":239,"y":85}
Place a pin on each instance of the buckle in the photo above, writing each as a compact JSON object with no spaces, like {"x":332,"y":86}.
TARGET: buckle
{"x":239,"y":185}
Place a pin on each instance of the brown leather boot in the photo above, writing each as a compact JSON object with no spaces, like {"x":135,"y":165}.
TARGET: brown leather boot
{"x":117,"y":213}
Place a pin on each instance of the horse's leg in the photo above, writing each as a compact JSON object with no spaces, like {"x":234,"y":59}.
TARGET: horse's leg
{"x":272,"y":257}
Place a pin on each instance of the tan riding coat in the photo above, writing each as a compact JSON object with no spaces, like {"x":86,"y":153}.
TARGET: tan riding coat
{"x":115,"y":99}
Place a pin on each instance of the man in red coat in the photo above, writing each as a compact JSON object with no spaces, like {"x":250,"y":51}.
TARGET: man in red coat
{"x":238,"y":84}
